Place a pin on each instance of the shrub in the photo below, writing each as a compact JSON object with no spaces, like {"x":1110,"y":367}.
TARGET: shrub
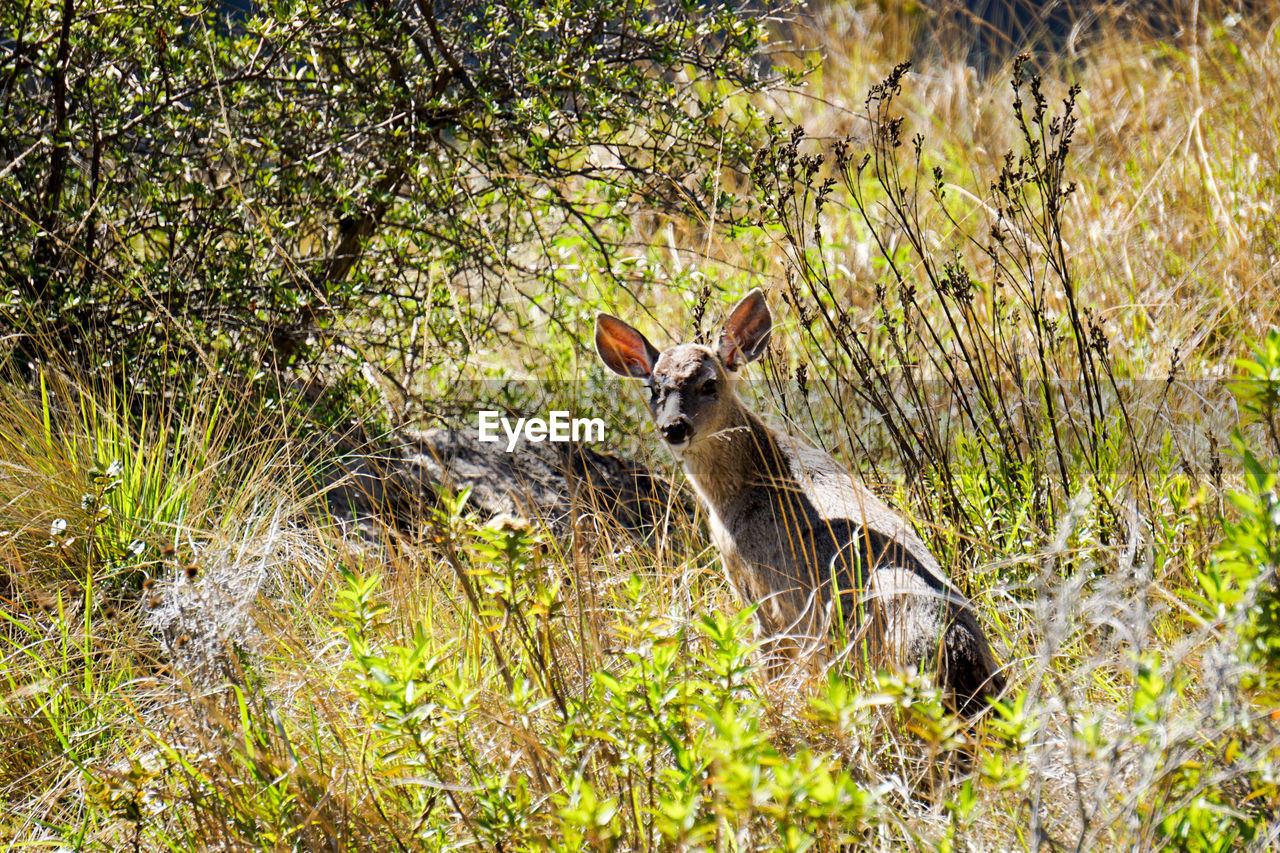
{"x":193,"y":188}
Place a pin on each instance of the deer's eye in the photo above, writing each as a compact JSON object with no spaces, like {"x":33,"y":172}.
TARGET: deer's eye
{"x":708,"y":388}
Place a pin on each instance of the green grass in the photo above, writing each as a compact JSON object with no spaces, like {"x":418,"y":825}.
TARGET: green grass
{"x":193,"y":657}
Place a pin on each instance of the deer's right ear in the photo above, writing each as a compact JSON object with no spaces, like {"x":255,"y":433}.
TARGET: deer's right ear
{"x":624,"y":350}
{"x":746,"y":334}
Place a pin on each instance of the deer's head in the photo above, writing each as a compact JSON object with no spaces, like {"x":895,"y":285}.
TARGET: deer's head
{"x":691,"y":387}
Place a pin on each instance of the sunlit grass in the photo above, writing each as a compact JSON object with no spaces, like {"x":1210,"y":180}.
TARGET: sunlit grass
{"x":193,"y":656}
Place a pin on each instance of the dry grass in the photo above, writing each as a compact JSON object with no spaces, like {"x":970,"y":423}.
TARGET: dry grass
{"x":240,"y":681}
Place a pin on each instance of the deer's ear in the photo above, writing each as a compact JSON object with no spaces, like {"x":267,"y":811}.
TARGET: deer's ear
{"x":746,"y":334}
{"x":624,"y":350}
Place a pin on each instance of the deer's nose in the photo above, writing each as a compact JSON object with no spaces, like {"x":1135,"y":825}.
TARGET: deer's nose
{"x":677,"y":432}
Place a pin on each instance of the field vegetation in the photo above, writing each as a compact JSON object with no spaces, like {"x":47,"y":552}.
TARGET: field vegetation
{"x":1034,"y":306}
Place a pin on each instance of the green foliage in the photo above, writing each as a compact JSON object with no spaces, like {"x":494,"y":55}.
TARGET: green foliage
{"x":668,"y":741}
{"x":62,"y":682}
{"x":1244,"y":581}
{"x":108,"y":481}
{"x":1239,"y":588}
{"x":216,"y":192}
{"x":1194,"y":814}
{"x":187,"y":189}
{"x":1258,"y":390}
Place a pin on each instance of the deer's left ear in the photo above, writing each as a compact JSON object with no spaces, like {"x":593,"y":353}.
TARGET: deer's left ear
{"x":624,"y":350}
{"x":746,"y":334}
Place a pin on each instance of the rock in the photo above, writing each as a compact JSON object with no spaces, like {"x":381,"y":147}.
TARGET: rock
{"x":546,"y":481}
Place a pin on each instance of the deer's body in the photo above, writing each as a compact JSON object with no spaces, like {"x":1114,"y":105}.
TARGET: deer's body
{"x":798,"y":536}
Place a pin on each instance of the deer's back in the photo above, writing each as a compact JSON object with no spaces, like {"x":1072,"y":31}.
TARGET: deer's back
{"x":813,"y":545}
{"x":801,"y":531}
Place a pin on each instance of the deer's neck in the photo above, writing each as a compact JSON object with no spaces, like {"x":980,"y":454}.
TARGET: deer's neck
{"x":741,"y":455}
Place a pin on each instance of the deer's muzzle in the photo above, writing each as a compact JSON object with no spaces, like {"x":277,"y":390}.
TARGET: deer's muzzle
{"x":676,"y":432}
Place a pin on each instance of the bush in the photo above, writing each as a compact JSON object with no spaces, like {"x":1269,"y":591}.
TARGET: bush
{"x":189,"y":189}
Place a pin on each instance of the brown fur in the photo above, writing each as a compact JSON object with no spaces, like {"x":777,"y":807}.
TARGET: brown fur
{"x":798,"y":536}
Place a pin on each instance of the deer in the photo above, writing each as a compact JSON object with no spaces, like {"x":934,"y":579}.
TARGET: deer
{"x":814,"y":550}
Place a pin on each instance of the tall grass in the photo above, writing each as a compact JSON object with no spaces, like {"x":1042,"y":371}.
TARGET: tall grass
{"x":193,"y":656}
{"x":487,"y":685}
